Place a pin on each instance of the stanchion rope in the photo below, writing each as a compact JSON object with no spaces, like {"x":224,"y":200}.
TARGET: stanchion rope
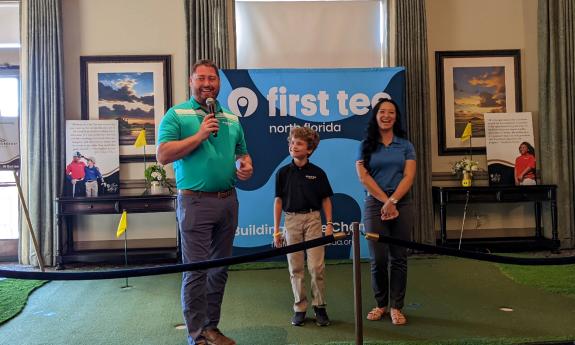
{"x":233,"y":260}
{"x":568,"y":260}
{"x":202,"y":265}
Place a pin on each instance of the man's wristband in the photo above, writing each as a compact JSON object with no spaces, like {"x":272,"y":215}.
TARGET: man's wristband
{"x":329,"y":223}
{"x":277,"y":234}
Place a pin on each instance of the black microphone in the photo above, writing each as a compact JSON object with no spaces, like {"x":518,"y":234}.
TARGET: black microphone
{"x":211,"y":103}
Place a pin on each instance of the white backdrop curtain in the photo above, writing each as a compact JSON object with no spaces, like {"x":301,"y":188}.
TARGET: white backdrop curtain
{"x":311,"y":34}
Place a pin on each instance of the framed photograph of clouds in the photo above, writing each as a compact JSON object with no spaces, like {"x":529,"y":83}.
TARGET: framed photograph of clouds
{"x":469,"y":84}
{"x":135,"y":90}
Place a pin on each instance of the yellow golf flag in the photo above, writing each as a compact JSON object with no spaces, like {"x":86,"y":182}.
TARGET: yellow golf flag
{"x":122,"y":225}
{"x":141,"y":139}
{"x":466,"y":132}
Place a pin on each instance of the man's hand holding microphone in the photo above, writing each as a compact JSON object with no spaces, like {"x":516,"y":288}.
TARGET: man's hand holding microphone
{"x":210,"y":124}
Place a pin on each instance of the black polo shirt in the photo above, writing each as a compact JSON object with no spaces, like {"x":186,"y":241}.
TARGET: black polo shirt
{"x":302,"y":189}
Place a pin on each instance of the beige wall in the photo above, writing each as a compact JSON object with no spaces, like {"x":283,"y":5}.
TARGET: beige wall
{"x":111,"y":27}
{"x":108,"y":27}
{"x":484,"y":25}
{"x":154,"y":27}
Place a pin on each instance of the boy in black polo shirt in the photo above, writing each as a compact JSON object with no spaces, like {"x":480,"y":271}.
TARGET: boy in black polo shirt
{"x":302,"y":189}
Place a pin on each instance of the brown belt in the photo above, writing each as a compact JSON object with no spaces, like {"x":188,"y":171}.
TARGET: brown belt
{"x":219,"y":195}
{"x":310,"y":210}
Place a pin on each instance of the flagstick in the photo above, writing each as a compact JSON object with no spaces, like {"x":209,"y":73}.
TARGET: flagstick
{"x":146,"y":182}
{"x":126,"y":255}
{"x":470,"y":147}
{"x":144,"y":157}
{"x":123,"y":226}
{"x":467,"y":194}
{"x":464,"y":216}
{"x":145,"y":161}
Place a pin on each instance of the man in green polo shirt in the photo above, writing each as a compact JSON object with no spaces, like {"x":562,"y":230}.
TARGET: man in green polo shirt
{"x":204,"y":143}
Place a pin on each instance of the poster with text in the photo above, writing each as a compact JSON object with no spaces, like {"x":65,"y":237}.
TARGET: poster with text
{"x":9,"y":143}
{"x":92,"y":158}
{"x":334,"y":102}
{"x":510,"y":149}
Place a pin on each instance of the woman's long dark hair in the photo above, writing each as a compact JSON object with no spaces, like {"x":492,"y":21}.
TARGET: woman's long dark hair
{"x":372,"y":139}
{"x":530,"y":148}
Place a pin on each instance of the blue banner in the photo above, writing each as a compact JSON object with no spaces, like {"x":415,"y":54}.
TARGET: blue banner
{"x":334,"y":102}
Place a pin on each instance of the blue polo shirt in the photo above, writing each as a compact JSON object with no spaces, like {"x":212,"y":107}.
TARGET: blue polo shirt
{"x":211,"y":167}
{"x":92,"y":174}
{"x":388,"y":162}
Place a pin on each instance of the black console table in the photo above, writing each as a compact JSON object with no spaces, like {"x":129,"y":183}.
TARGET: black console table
{"x":69,"y":208}
{"x":443,"y":196}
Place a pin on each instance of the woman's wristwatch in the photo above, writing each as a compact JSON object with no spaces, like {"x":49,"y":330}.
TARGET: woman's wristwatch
{"x":393,"y":200}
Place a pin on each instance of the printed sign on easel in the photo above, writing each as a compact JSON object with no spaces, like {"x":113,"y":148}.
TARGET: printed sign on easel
{"x":9,"y":143}
{"x":10,"y":160}
{"x":510,"y":149}
{"x":92,"y":156}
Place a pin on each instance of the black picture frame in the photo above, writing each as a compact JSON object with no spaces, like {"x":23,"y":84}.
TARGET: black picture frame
{"x":134,"y":89}
{"x":470,"y":83}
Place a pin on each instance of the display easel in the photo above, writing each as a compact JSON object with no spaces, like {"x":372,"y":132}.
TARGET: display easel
{"x":28,"y":221}
{"x":10,"y":158}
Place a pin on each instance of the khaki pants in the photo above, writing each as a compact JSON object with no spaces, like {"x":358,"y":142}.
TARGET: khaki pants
{"x":92,"y":188}
{"x":299,"y":228}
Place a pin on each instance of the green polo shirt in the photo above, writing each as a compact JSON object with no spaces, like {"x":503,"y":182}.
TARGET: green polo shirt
{"x":211,"y":167}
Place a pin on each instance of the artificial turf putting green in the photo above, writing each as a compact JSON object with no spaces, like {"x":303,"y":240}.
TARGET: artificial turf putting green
{"x":14,"y":295}
{"x":449,"y":301}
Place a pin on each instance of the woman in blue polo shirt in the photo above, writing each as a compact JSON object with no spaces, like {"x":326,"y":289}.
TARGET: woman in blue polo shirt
{"x":386,"y":168}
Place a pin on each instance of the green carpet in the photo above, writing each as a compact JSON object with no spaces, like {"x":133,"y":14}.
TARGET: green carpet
{"x":449,"y":301}
{"x":555,"y":279}
{"x":14,"y":295}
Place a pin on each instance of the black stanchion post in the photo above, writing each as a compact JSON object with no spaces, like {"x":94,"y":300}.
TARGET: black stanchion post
{"x":357,"y":284}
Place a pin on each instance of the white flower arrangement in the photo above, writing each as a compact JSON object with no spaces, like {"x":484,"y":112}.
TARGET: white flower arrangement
{"x":156,"y":176}
{"x":464,"y":165}
{"x":157,"y":173}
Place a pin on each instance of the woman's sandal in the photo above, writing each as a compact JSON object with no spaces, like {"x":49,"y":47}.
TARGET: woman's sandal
{"x":376,"y":314}
{"x":397,"y":317}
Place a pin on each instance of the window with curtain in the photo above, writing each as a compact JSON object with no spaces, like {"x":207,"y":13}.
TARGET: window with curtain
{"x":312,"y":34}
{"x":9,"y":107}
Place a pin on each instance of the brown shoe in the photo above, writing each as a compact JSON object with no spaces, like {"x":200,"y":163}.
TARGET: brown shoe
{"x":215,"y":337}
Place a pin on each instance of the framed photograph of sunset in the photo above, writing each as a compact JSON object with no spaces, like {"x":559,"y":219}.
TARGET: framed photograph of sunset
{"x":470,"y":84}
{"x":135,"y":90}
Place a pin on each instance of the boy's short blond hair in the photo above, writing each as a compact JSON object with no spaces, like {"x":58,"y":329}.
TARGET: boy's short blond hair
{"x":307,"y":134}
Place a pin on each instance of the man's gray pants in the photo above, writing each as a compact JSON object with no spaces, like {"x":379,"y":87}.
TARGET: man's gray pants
{"x":207,"y":227}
